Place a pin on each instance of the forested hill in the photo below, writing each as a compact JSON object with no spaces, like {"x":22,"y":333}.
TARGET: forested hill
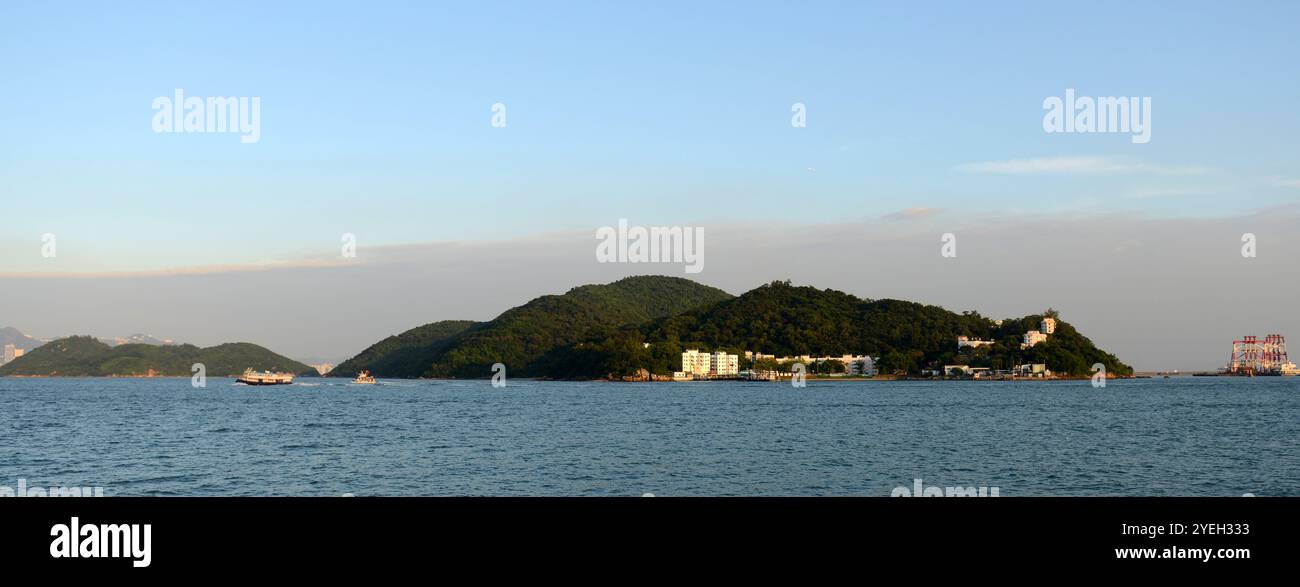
{"x":84,"y":356}
{"x":523,"y":336}
{"x":406,"y":355}
{"x":785,"y":320}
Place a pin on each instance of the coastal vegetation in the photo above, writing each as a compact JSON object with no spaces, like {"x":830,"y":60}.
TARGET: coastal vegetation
{"x":785,"y":320}
{"x":85,"y":356}
{"x":525,"y":337}
{"x":637,"y":328}
{"x":642,"y":324}
{"x":404,"y":355}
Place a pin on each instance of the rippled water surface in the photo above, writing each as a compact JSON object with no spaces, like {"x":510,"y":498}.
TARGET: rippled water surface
{"x":1179,"y":436}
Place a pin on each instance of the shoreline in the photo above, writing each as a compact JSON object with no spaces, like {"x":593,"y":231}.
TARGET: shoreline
{"x":881,"y":378}
{"x":135,"y":376}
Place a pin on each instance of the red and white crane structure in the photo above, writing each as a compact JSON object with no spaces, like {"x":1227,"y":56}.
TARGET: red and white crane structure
{"x":1255,"y":356}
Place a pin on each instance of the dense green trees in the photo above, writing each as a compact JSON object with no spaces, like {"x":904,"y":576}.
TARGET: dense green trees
{"x":541,"y":338}
{"x":406,"y":354}
{"x":84,"y":356}
{"x":785,"y":320}
{"x":597,"y":331}
{"x":636,"y":323}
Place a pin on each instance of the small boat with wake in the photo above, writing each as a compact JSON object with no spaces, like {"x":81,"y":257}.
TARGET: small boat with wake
{"x":364,"y":378}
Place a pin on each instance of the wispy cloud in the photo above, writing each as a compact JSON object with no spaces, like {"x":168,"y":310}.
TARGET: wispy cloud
{"x":1145,"y":193}
{"x":1076,"y":166}
{"x":914,"y":213}
{"x":370,"y":256}
{"x":179,"y":271}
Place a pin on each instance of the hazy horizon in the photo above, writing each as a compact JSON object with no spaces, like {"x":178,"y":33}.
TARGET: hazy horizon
{"x":472,"y":152}
{"x":1139,"y":287}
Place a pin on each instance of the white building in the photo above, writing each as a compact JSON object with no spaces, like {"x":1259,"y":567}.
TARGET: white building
{"x":853,"y":364}
{"x":965,"y":341}
{"x":695,"y":363}
{"x":863,"y":365}
{"x":698,"y":364}
{"x":1046,"y":327}
{"x":1032,"y":338}
{"x":956,"y":370}
{"x":723,"y":364}
{"x":1032,"y":370}
{"x":11,"y":352}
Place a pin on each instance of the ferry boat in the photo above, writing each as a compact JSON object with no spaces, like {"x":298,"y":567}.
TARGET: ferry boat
{"x":364,"y":378}
{"x":251,"y":377}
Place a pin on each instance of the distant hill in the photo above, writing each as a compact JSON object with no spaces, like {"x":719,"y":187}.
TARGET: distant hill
{"x":785,"y":320}
{"x":13,"y":336}
{"x":84,"y":356}
{"x":523,"y":337}
{"x":404,"y":355}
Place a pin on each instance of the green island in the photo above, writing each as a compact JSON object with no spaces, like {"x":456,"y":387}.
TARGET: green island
{"x":639,"y":327}
{"x":649,"y":328}
{"x":85,"y":356}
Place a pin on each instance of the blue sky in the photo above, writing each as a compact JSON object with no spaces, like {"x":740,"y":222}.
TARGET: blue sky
{"x":375,"y":118}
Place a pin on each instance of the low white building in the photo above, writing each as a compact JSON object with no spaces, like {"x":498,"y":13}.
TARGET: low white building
{"x":1032,"y":338}
{"x":966,"y":341}
{"x":853,"y":364}
{"x":1032,"y":370}
{"x":860,"y":365}
{"x":956,"y":370}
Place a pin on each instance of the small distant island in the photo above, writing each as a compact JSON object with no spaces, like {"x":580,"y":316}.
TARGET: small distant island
{"x":86,"y":356}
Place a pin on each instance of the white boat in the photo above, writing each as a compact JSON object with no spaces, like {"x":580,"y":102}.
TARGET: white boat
{"x":364,"y":378}
{"x":251,"y":377}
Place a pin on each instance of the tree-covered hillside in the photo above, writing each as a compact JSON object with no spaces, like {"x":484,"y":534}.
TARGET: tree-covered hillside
{"x":784,"y":320}
{"x":84,"y":356}
{"x":522,"y":337}
{"x":404,"y":355}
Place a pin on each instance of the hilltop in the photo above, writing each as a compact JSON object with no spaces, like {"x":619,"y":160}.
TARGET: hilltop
{"x":524,"y":336}
{"x":786,"y":320}
{"x":85,"y":356}
{"x":404,"y":355}
{"x":617,"y":329}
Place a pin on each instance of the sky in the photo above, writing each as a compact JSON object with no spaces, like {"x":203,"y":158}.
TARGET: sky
{"x":376,"y":121}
